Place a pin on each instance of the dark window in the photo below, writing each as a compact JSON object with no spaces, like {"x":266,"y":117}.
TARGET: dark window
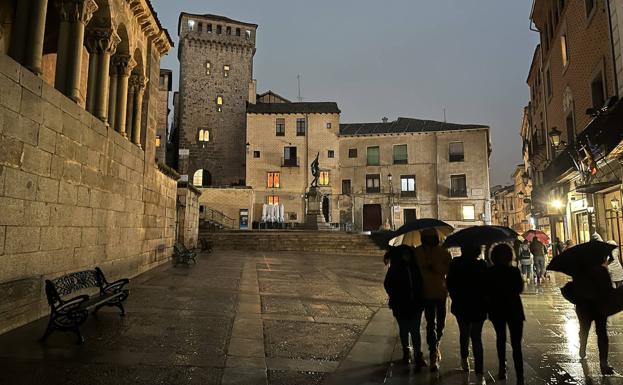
{"x":331,"y":154}
{"x":210,"y":28}
{"x":458,"y":186}
{"x":455,"y":152}
{"x":280,"y":126}
{"x":597,"y":91}
{"x":345,"y":186}
{"x":237,"y":31}
{"x":548,"y":82}
{"x":256,"y":154}
{"x":228,"y":30}
{"x":289,"y":157}
{"x":373,"y":156}
{"x":352,"y":152}
{"x":328,"y":124}
{"x":590,"y":4}
{"x":219,"y":29}
{"x":570,"y":122}
{"x":373,"y":183}
{"x":300,"y":127}
{"x":200,"y":27}
{"x":400,"y":154}
{"x":407,"y":186}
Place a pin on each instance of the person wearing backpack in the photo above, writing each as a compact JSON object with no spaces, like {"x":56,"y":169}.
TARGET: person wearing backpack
{"x":525,"y":261}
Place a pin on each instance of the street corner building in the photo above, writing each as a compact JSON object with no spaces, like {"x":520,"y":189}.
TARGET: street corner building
{"x":79,"y":183}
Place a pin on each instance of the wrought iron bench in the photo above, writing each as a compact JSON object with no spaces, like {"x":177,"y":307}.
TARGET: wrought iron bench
{"x":182,"y":255}
{"x":206,"y":245}
{"x":69,"y":314}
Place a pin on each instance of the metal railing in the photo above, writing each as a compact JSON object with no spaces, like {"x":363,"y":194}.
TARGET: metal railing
{"x":290,"y":162}
{"x":219,"y":219}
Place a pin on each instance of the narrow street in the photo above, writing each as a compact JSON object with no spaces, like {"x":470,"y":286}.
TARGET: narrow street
{"x":278,"y":318}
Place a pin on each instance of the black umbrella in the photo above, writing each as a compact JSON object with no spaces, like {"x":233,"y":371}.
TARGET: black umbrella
{"x":409,"y":233}
{"x":480,"y":235}
{"x":576,"y":258}
{"x":382,"y":238}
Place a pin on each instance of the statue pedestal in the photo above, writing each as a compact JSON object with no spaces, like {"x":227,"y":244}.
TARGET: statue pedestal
{"x":314,"y":220}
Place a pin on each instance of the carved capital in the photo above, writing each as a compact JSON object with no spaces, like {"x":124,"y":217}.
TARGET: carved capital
{"x":124,"y":63}
{"x":76,"y":10}
{"x":138,"y":82}
{"x":101,"y":40}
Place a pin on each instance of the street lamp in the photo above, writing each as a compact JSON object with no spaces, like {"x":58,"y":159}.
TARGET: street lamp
{"x":554,"y":136}
{"x":557,"y":204}
{"x":391,"y":203}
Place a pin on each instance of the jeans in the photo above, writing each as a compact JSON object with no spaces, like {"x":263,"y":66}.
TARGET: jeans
{"x":515,"y":328}
{"x":587,"y":313}
{"x":435,"y":314}
{"x":410,"y":325}
{"x":526,"y":270}
{"x":471,"y":330}
{"x":539,"y":266}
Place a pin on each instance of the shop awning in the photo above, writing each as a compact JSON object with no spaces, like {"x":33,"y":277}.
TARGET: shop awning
{"x":596,"y":187}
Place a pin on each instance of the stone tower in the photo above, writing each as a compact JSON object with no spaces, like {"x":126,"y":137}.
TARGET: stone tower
{"x":216,"y":72}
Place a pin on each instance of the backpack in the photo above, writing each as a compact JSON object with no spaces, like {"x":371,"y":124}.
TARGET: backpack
{"x":524,"y":252}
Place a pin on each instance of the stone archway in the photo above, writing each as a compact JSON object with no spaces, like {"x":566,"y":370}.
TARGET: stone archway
{"x":202,"y":178}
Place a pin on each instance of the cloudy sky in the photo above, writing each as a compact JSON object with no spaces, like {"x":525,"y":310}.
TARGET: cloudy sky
{"x":392,"y":58}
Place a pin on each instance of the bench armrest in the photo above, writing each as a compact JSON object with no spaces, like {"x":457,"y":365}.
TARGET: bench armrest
{"x":72,"y":304}
{"x":116,"y":286}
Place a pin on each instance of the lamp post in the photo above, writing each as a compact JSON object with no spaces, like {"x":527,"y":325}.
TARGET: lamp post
{"x":391,"y":201}
{"x":554,"y":136}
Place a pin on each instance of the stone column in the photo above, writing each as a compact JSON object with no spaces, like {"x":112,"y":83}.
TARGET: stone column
{"x":74,"y":16}
{"x":112,"y":96}
{"x":130,"y":110}
{"x":34,"y":38}
{"x":19,"y":30}
{"x":102,"y":42}
{"x":138,"y":84}
{"x":124,"y":64}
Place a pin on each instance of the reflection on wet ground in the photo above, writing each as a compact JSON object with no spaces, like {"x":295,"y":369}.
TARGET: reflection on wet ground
{"x":282,"y":318}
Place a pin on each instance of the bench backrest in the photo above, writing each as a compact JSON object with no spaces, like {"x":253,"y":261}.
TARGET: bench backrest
{"x":179,"y":248}
{"x":67,"y":284}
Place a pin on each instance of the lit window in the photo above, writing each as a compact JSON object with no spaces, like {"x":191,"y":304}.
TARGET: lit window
{"x":328,"y":124}
{"x":219,"y":103}
{"x":208,"y":68}
{"x":323,"y":179}
{"x":273,"y":199}
{"x":203,"y":136}
{"x":407,"y":185}
{"x":469,"y":212}
{"x":247,"y":34}
{"x":157,"y":140}
{"x":564,"y":50}
{"x":198,"y":178}
{"x":191,"y":25}
{"x":331,"y":154}
{"x":226,"y":70}
{"x":273,"y":179}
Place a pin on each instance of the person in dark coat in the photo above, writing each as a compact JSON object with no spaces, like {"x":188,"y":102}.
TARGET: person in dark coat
{"x":403,"y":284}
{"x":466,"y":278}
{"x":592,"y":285}
{"x":539,"y":251}
{"x":504,"y":286}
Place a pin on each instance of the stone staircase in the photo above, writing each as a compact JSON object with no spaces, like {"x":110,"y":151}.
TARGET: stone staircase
{"x":329,"y":242}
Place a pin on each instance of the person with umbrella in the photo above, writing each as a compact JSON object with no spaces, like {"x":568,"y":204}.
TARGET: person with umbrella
{"x":433,"y":262}
{"x":590,"y":290}
{"x":504,"y":286}
{"x":403,"y":284}
{"x":538,"y":250}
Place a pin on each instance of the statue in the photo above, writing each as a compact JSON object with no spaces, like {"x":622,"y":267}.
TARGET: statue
{"x":315,"y":170}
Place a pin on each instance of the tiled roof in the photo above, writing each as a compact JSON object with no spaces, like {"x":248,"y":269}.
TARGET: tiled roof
{"x":403,"y":125}
{"x":294,"y":108}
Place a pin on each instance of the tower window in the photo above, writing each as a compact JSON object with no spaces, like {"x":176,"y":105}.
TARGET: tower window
{"x":219,"y":29}
{"x":219,"y":103}
{"x":203,"y":136}
{"x":256,"y":154}
{"x":157,"y":140}
{"x":300,"y":127}
{"x":208,"y":68}
{"x":209,"y":28}
{"x":328,"y":124}
{"x":191,"y":25}
{"x":280,"y":127}
{"x":200,"y":27}
{"x":226,"y":70}
{"x":237,"y":31}
{"x":228,"y":30}
{"x":323,"y":179}
{"x":247,"y":34}
{"x":330,"y":154}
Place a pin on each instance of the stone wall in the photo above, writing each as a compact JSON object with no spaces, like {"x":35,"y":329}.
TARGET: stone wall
{"x":74,"y":194}
{"x":188,"y":215}
{"x":228,"y":201}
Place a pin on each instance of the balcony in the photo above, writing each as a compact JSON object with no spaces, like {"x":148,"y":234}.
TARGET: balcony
{"x":408,"y":194}
{"x":457,"y":193}
{"x":290,"y":162}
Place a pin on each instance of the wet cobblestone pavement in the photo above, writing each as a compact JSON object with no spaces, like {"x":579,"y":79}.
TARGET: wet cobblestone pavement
{"x":281,"y":319}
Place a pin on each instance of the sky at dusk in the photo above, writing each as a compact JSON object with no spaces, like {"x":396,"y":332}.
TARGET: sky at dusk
{"x":392,"y":58}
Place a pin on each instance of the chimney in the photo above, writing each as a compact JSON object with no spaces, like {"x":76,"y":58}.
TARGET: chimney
{"x":384,"y":119}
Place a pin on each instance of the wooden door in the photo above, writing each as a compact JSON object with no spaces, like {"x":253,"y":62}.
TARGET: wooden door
{"x":372,"y":217}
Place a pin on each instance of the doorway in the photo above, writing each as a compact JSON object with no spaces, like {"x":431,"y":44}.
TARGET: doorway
{"x":244,"y":219}
{"x":372,"y":217}
{"x":409,"y":215}
{"x":325,"y":208}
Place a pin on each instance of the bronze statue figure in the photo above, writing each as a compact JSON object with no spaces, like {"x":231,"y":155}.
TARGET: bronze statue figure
{"x":315,"y":170}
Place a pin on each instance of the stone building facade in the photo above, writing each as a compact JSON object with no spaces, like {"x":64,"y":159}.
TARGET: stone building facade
{"x":216,"y":71}
{"x":162,"y":128}
{"x":187,"y":214}
{"x":410,"y":168}
{"x":284,"y":139}
{"x":79,"y":188}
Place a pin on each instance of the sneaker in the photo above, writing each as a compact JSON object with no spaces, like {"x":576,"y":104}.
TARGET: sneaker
{"x":419,"y":361}
{"x":465,"y":364}
{"x":606,"y":369}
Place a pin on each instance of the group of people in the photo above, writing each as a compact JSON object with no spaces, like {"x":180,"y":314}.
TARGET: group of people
{"x":420,"y":279}
{"x":531,"y":258}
